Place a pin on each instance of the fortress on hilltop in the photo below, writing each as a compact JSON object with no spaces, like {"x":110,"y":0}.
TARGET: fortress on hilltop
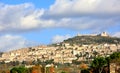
{"x":104,"y":34}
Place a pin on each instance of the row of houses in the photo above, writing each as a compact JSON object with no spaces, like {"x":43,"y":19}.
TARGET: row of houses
{"x":65,"y":53}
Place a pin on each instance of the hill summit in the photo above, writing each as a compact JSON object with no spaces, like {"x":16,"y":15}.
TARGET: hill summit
{"x":93,"y":39}
{"x":103,"y":34}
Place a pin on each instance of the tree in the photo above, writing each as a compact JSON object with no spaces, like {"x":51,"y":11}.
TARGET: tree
{"x":108,"y":63}
{"x":13,"y":70}
{"x":49,"y":61}
{"x":85,"y":71}
{"x":19,"y":70}
{"x":115,"y":55}
{"x":98,"y":64}
{"x":63,"y":72}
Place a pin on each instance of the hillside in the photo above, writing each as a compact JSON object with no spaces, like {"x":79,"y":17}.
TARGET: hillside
{"x":92,"y":40}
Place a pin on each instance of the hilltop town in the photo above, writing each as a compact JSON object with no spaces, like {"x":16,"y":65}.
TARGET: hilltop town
{"x":63,"y":52}
{"x":64,"y":56}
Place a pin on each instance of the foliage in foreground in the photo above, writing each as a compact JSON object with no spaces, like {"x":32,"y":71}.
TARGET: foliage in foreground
{"x":19,"y":70}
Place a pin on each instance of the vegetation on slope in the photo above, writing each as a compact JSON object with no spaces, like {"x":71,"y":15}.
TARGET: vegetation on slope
{"x":92,"y":40}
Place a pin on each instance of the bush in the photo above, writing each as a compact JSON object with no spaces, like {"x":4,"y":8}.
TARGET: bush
{"x":85,"y":71}
{"x":63,"y":72}
{"x":19,"y":70}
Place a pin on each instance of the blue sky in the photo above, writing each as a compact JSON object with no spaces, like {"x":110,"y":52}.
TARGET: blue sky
{"x":32,"y":22}
{"x":37,"y":3}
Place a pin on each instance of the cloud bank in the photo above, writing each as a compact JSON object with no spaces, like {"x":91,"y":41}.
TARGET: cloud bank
{"x":16,"y":18}
{"x":76,"y":8}
{"x":9,"y":42}
{"x":60,"y":38}
{"x":13,"y":42}
{"x":117,"y":34}
{"x":71,"y":14}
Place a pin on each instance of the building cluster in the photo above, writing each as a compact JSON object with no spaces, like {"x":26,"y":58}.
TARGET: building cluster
{"x":104,"y":34}
{"x":62,"y":53}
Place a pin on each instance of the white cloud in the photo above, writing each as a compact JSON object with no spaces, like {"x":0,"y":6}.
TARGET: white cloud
{"x":60,"y":38}
{"x":10,"y":42}
{"x":95,"y":15}
{"x":85,"y":7}
{"x":19,"y":17}
{"x":117,"y":34}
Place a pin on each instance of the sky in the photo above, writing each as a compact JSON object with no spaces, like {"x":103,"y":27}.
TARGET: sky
{"x":26,"y":23}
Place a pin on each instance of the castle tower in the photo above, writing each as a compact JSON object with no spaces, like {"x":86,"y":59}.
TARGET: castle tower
{"x":105,"y":34}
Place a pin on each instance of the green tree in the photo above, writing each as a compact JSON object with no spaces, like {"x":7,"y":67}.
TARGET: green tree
{"x":19,"y":70}
{"x":115,"y":55}
{"x":98,"y":64}
{"x":14,"y":70}
{"x":85,"y":71}
{"x":63,"y":72}
{"x":108,"y":63}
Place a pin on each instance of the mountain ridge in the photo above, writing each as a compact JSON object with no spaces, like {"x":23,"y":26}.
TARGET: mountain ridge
{"x":87,"y":39}
{"x":92,"y":40}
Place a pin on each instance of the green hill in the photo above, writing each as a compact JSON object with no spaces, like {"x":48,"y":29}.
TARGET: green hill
{"x":92,"y":40}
